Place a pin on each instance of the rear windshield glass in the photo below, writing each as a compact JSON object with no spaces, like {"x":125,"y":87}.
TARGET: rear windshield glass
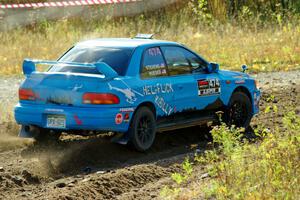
{"x":116,"y":57}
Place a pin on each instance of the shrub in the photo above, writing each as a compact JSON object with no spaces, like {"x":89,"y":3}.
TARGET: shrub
{"x":269,"y":169}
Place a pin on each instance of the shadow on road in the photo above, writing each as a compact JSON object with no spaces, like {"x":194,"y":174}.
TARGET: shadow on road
{"x":85,"y":155}
{"x":70,"y":157}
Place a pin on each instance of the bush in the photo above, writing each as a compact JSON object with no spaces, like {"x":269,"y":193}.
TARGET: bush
{"x":269,"y":169}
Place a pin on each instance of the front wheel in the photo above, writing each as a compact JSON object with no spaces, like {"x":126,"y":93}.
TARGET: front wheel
{"x":142,"y":129}
{"x":239,"y":111}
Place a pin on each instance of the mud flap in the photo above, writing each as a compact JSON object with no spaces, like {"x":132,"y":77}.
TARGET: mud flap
{"x":28,"y":132}
{"x":120,"y":138}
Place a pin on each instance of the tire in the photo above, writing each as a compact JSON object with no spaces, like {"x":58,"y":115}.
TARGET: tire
{"x":239,"y":111}
{"x":142,"y":129}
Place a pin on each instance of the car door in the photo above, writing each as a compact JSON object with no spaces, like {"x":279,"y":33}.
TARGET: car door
{"x":157,"y":86}
{"x":180,"y":73}
{"x":195,"y":88}
{"x":208,"y":84}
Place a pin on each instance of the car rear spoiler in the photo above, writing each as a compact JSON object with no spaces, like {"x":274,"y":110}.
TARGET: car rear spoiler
{"x":29,"y":66}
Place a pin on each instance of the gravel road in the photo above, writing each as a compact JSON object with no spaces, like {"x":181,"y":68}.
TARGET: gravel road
{"x":94,"y":168}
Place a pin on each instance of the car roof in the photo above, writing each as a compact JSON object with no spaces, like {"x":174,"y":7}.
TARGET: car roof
{"x":124,"y":42}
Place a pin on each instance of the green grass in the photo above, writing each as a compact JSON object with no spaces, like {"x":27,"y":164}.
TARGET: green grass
{"x":269,"y":170}
{"x":238,"y":169}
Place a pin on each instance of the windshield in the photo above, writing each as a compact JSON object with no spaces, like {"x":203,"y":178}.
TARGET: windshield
{"x":116,"y":57}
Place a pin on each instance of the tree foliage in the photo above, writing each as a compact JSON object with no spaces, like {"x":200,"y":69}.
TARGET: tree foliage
{"x":262,"y":10}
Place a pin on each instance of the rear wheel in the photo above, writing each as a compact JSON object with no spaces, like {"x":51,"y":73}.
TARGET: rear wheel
{"x":142,"y":129}
{"x":239,"y":112}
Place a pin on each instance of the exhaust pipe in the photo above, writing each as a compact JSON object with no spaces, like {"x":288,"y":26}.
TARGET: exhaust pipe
{"x":29,"y":131}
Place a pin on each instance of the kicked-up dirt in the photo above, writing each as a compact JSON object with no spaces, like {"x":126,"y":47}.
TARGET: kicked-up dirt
{"x":93,"y":168}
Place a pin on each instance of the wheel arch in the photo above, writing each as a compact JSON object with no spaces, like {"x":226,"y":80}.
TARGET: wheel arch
{"x":244,"y":90}
{"x":148,"y":104}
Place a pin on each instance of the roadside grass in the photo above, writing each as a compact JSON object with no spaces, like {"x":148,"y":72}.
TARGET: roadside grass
{"x":239,"y":169}
{"x":263,"y":49}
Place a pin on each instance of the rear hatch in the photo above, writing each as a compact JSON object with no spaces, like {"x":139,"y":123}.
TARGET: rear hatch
{"x":63,"y":88}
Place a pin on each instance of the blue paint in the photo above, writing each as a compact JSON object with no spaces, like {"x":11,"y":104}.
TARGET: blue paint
{"x":60,"y":93}
{"x":28,"y":67}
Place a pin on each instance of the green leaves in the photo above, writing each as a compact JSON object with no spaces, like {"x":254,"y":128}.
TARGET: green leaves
{"x":178,"y":178}
{"x":266,"y":169}
{"x":187,"y":166}
{"x":187,"y":171}
{"x":239,"y":169}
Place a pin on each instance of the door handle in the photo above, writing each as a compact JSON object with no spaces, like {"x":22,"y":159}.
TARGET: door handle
{"x":180,"y":86}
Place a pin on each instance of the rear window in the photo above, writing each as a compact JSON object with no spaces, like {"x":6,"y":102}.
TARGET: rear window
{"x":116,"y":57}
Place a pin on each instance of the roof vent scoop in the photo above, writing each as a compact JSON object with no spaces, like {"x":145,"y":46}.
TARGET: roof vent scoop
{"x":144,"y":36}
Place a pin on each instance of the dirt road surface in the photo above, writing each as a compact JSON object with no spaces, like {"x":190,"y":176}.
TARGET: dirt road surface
{"x":94,"y":168}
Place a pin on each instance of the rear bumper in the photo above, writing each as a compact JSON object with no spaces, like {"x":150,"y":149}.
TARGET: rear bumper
{"x":98,"y":119}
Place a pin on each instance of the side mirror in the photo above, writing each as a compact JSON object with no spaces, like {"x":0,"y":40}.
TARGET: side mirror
{"x":213,"y":67}
{"x":28,"y":67}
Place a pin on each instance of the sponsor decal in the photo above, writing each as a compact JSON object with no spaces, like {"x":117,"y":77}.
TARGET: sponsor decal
{"x":208,"y":87}
{"x":76,"y":87}
{"x":54,"y":110}
{"x":126,"y":109}
{"x":154,"y":70}
{"x":163,"y":105}
{"x":119,"y":118}
{"x":158,"y":89}
{"x":157,"y":72}
{"x":153,"y":67}
{"x":126,"y":117}
{"x":239,"y":77}
{"x":154,"y":51}
{"x":77,"y":120}
{"x":157,"y":69}
{"x":129,"y":93}
{"x":239,"y":81}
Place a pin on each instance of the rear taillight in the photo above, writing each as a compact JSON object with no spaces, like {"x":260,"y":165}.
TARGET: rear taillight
{"x":100,"y":98}
{"x":26,"y":94}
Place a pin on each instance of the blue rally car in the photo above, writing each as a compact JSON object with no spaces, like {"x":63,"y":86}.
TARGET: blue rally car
{"x":133,"y":88}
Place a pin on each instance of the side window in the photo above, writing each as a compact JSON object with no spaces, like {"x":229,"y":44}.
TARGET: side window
{"x":196,"y":63}
{"x":176,"y":60}
{"x":181,"y":61}
{"x":153,"y":64}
